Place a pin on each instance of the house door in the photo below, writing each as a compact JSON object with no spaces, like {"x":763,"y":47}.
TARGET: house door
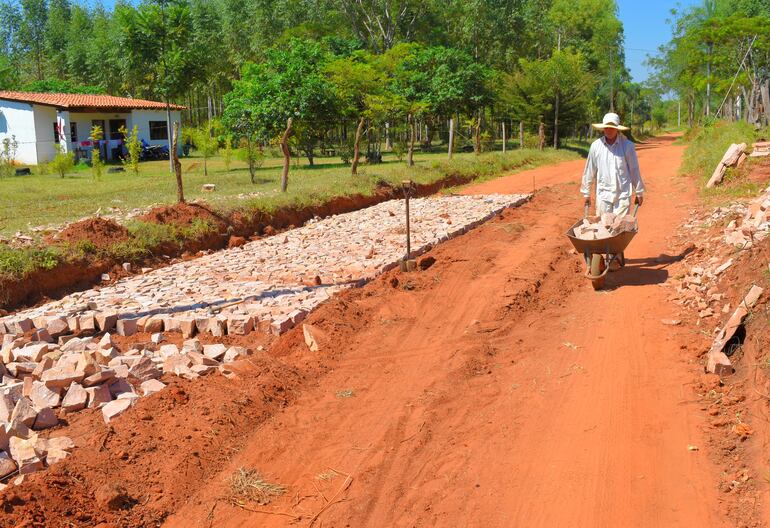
{"x":115,"y":126}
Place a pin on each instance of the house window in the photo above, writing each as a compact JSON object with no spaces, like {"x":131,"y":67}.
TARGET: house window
{"x":115,"y":126}
{"x":73,"y":132}
{"x":158,"y":130}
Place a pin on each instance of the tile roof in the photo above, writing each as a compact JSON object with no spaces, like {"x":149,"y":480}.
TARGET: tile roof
{"x":65,"y":101}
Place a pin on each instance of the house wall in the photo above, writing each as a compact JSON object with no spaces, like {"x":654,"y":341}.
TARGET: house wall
{"x":142,"y":118}
{"x":18,"y":119}
{"x":45,"y":117}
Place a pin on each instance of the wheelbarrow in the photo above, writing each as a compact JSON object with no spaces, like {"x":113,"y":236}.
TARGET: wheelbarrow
{"x":601,"y":254}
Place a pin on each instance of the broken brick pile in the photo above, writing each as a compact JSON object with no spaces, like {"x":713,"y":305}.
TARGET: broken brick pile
{"x":275,"y":281}
{"x":43,"y":381}
{"x":698,"y":290}
{"x":605,"y":226}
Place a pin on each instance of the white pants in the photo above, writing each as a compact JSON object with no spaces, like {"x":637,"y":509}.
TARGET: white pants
{"x":620,"y":207}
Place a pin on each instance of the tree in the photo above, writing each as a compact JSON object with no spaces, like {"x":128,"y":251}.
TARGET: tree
{"x":156,"y":41}
{"x":289,"y":86}
{"x":531,"y":94}
{"x":32,"y":32}
{"x":360,"y":90}
{"x":205,"y":144}
{"x":251,"y":152}
{"x":227,"y":152}
{"x":383,"y":23}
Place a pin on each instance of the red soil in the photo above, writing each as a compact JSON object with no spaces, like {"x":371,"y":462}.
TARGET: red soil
{"x":99,"y":231}
{"x":183,"y":215}
{"x":495,"y":388}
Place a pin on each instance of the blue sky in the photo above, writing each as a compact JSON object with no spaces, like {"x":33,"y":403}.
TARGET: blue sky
{"x":646,"y":27}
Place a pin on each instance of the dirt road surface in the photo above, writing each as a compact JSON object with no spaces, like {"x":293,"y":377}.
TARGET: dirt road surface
{"x":496,"y":388}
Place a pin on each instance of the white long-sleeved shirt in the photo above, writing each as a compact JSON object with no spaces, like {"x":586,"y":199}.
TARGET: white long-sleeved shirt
{"x":616,"y":169}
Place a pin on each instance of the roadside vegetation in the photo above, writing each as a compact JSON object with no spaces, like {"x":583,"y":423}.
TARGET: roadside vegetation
{"x":705,"y":148}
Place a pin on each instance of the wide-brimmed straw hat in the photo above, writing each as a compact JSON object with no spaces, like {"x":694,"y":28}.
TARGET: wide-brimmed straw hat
{"x":610,"y":120}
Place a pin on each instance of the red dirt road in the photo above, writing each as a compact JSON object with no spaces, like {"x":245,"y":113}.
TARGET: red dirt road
{"x":495,"y":389}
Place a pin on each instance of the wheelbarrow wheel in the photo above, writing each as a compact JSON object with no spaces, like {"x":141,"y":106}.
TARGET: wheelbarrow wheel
{"x":597,"y":268}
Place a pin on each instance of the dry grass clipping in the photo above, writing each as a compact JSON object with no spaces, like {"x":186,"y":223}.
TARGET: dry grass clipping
{"x":250,"y":485}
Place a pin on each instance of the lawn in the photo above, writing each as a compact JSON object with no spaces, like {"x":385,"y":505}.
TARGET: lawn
{"x":47,"y":199}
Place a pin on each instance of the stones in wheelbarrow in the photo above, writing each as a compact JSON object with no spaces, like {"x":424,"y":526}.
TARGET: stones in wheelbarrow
{"x":607,"y":225}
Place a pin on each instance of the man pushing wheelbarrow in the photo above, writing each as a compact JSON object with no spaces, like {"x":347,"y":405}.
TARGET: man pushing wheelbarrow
{"x":613,"y":164}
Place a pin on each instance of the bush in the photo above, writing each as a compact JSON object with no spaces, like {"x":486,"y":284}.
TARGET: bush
{"x":8,"y":156}
{"x":345,"y":151}
{"x":62,"y":162}
{"x":19,"y":263}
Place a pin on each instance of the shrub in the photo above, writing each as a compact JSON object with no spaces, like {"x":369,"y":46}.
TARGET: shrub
{"x":62,"y":162}
{"x":134,"y":147}
{"x":8,"y":156}
{"x":97,"y":165}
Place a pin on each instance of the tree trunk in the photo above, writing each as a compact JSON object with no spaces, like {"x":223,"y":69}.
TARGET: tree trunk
{"x":556,"y":123}
{"x":168,"y":131}
{"x":451,"y":147}
{"x":177,"y":166}
{"x":357,"y":148}
{"x":521,"y":134}
{"x":286,"y":156}
{"x":541,"y":135}
{"x":765,"y":89}
{"x":504,"y":138}
{"x":388,"y":144}
{"x":477,"y":136}
{"x":412,"y":138}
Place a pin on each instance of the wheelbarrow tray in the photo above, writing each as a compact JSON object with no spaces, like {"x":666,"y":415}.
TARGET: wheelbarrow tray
{"x":608,"y":246}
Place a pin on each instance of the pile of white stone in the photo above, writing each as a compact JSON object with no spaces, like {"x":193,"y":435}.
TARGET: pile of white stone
{"x":752,"y":225}
{"x":268,"y":285}
{"x":605,"y":226}
{"x":42,"y":381}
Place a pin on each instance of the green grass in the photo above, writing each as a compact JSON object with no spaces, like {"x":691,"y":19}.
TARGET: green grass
{"x":706,"y":146}
{"x":46,"y":199}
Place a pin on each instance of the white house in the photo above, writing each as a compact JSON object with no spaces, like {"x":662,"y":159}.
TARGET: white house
{"x":39,"y":121}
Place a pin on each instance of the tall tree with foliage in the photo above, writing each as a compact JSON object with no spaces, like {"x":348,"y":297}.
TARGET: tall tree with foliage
{"x":156,"y":40}
{"x":290,"y":84}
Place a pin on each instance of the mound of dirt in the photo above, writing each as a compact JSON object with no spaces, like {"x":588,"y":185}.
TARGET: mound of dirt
{"x":183,"y":215}
{"x":99,"y":231}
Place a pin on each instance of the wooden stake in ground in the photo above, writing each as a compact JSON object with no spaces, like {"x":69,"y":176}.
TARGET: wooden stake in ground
{"x":521,"y":134}
{"x":286,"y":155}
{"x":357,"y":148}
{"x":176,"y":164}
